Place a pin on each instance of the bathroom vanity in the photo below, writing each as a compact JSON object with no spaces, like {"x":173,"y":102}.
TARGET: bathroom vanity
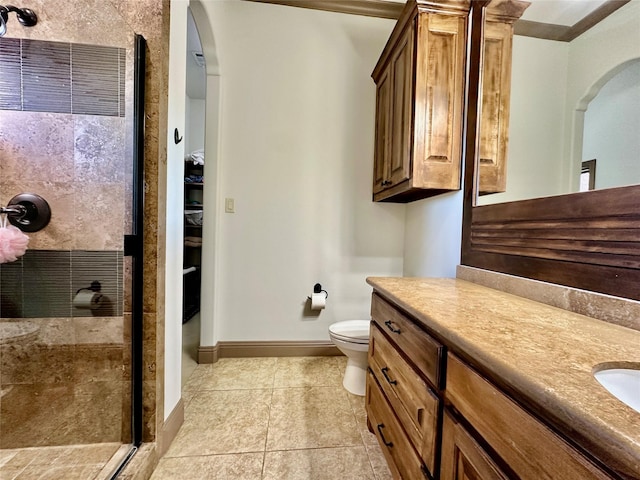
{"x":469,"y":382}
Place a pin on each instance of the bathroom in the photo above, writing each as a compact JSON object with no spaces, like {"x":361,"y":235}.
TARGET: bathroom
{"x":332,"y":232}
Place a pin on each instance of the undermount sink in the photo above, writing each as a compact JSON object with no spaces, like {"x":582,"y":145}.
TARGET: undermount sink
{"x":622,"y":383}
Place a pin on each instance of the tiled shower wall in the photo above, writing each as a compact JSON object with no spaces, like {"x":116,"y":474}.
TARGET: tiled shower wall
{"x":67,"y":380}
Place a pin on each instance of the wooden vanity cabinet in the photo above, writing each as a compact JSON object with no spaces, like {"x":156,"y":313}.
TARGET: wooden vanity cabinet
{"x":403,"y":403}
{"x":458,"y":425}
{"x":462,"y":456}
{"x":523,"y":444}
{"x":419,"y":101}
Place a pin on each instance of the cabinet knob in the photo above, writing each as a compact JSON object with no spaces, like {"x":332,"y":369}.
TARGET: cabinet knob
{"x":384,"y":183}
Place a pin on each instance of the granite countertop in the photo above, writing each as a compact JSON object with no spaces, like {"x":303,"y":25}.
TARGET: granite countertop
{"x":543,"y":353}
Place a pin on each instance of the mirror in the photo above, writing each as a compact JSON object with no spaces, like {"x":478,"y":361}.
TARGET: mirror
{"x":573,"y":102}
{"x":586,"y":240}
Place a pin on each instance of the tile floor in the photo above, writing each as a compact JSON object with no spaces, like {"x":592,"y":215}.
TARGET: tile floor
{"x":272,"y":419}
{"x":79,"y":462}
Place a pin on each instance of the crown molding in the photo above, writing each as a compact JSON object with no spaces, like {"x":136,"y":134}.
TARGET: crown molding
{"x":368,"y":8}
{"x":564,"y":33}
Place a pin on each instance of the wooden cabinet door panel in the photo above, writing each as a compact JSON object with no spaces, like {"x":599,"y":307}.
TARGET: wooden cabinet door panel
{"x":494,"y":119}
{"x":439,"y":107}
{"x":530,"y":448}
{"x":402,"y":109}
{"x":383,"y":138}
{"x":463,"y":458}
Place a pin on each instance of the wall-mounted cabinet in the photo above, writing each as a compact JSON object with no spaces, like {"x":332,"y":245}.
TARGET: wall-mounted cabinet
{"x":419,"y":103}
{"x":496,"y":94}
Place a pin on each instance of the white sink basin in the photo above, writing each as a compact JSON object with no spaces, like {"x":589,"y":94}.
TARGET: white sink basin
{"x":622,"y":383}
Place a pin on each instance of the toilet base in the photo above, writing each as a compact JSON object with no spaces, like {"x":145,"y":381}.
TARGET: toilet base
{"x":355,"y":377}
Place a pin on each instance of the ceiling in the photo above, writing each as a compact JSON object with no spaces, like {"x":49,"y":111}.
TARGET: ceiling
{"x":555,"y":12}
{"x":560,"y":12}
{"x":196,"y":75}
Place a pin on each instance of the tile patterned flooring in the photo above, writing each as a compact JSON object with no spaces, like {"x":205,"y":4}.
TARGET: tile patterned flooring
{"x":79,"y":462}
{"x":272,"y":419}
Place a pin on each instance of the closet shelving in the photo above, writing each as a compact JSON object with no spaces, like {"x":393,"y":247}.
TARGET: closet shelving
{"x":193,"y":212}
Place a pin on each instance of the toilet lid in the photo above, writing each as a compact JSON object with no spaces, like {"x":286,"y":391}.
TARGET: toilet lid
{"x":355,"y":331}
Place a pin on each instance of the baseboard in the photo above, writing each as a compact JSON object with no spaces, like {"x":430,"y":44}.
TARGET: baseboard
{"x":208,"y":354}
{"x":170,"y":428}
{"x":266,"y":349}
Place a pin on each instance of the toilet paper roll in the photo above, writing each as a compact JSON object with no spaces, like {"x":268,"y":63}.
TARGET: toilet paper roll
{"x":318,"y":301}
{"x":88,"y":300}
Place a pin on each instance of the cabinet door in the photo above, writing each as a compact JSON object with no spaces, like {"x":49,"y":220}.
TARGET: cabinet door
{"x":530,"y":448}
{"x":494,"y":120}
{"x":402,"y":108}
{"x":439,"y":101}
{"x":463,"y":458}
{"x":383,"y":137}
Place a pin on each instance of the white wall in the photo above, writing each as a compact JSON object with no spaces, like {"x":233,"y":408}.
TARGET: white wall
{"x":612,"y":130}
{"x":174,"y":211}
{"x":538,"y":92}
{"x":296,"y":150}
{"x":594,"y":58}
{"x":433,"y":235}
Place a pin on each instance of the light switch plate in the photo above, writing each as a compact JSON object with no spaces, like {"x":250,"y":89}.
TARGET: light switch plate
{"x":229,"y":205}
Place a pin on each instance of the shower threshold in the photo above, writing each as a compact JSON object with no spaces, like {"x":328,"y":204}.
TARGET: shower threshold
{"x":99,"y":461}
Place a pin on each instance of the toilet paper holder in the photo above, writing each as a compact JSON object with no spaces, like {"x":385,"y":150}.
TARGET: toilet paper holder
{"x":90,"y":298}
{"x":317,"y":288}
{"x":94,"y":287}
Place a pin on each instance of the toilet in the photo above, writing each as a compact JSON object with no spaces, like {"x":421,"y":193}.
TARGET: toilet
{"x":352,"y":338}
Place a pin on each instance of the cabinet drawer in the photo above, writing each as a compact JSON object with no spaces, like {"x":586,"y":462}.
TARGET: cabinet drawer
{"x":530,"y":448}
{"x":395,"y":445}
{"x":411,"y":399}
{"x":424,"y":352}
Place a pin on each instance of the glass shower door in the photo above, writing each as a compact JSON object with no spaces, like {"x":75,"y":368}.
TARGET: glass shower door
{"x":67,"y":134}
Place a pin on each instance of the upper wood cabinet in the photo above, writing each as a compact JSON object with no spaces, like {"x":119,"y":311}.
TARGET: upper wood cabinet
{"x":496,"y":93}
{"x":419,"y":102}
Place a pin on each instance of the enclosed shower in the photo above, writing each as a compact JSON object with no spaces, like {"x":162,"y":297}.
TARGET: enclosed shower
{"x":70,"y":125}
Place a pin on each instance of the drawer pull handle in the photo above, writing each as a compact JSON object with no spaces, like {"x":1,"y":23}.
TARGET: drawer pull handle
{"x":390,"y":326}
{"x":384,"y":440}
{"x":386,"y":376}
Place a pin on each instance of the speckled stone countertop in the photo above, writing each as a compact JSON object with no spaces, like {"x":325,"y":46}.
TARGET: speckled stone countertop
{"x":542,"y":353}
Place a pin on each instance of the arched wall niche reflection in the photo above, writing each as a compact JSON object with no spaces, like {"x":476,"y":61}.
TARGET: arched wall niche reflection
{"x":605,"y":126}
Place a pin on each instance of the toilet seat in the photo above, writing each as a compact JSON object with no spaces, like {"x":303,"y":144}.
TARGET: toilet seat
{"x":352,"y":331}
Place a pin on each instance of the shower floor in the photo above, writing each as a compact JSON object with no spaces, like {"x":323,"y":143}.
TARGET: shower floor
{"x":71,"y":462}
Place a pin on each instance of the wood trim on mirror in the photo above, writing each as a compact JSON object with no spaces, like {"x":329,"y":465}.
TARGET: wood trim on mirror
{"x":588,"y":240}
